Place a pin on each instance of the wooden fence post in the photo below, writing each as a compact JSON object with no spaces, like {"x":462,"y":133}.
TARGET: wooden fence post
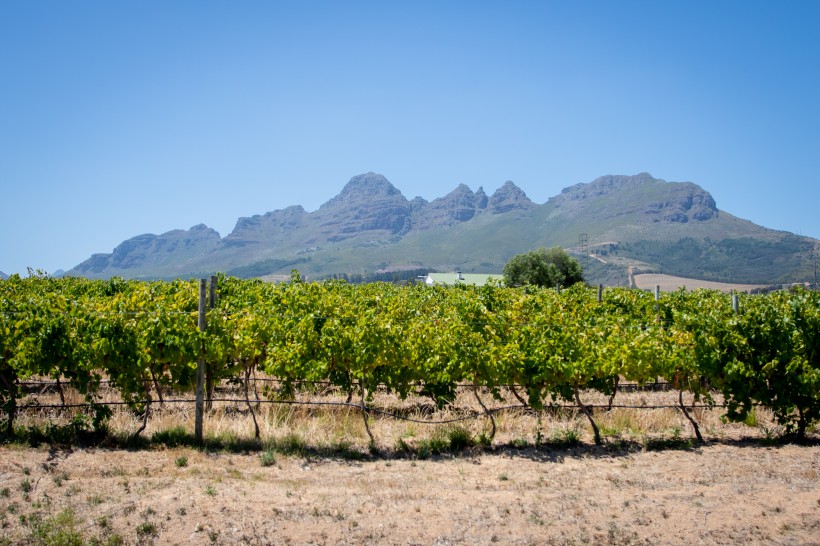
{"x":200,"y":366}
{"x":209,"y":366}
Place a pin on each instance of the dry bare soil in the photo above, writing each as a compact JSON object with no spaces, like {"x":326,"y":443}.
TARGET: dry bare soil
{"x":670,"y":283}
{"x":726,"y":492}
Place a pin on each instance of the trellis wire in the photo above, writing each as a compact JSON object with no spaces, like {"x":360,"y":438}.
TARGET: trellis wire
{"x":376,"y":410}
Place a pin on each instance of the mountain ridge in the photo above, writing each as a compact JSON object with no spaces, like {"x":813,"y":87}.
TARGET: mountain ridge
{"x":370,"y":225}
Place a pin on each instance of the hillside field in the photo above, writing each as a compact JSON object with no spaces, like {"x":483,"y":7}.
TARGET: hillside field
{"x":670,"y":283}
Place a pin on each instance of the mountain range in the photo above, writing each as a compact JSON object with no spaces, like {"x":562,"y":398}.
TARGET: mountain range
{"x":613,"y":224}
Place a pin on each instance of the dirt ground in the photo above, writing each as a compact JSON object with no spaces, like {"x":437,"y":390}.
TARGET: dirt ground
{"x":670,"y":283}
{"x":726,"y":492}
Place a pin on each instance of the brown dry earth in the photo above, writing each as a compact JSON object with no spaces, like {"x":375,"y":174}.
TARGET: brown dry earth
{"x":729,"y":492}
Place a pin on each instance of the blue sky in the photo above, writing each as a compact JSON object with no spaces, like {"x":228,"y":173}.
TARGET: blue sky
{"x":130,"y":117}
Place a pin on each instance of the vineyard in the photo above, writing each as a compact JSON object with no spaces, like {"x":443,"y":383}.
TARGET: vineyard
{"x":527,"y":348}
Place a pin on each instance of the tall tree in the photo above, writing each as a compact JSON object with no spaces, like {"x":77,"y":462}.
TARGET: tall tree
{"x":543,"y":267}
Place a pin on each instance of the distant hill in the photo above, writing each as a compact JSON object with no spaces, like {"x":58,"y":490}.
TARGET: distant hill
{"x":3,"y":276}
{"x":612,"y":223}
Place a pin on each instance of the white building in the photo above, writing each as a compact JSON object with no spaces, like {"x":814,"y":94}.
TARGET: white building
{"x":476,"y":279}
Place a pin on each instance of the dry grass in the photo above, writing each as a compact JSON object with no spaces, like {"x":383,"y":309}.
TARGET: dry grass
{"x":670,"y":283}
{"x":313,"y":479}
{"x":717,"y":494}
{"x":323,"y":421}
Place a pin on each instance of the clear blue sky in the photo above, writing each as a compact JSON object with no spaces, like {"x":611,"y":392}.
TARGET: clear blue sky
{"x":129,"y":117}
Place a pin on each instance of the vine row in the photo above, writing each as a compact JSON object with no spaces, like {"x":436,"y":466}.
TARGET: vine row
{"x":143,"y":339}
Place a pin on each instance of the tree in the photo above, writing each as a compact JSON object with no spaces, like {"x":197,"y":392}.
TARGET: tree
{"x":543,"y":267}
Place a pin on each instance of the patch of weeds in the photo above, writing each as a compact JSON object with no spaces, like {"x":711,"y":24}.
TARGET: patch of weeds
{"x":676,"y":432}
{"x":663,"y":444}
{"x":617,"y":444}
{"x":229,"y":441}
{"x":373,"y":448}
{"x":484,"y":440}
{"x":432,"y":446}
{"x":345,"y":450}
{"x":110,"y":540}
{"x":59,"y":529}
{"x":147,"y":529}
{"x":81,"y":430}
{"x":147,"y":512}
{"x":181,"y":511}
{"x":59,"y":478}
{"x":606,"y":430}
{"x":566,"y":437}
{"x":113,"y":471}
{"x":459,"y":438}
{"x":751,"y":418}
{"x":291,"y":444}
{"x":770,"y":436}
{"x":422,"y":451}
{"x":27,"y":470}
{"x":25,"y":486}
{"x":267,"y":458}
{"x":4,"y":492}
{"x":174,"y":437}
{"x":210,"y":491}
{"x":617,"y":536}
{"x":181,"y":461}
{"x":403,"y":447}
{"x":520,"y":443}
{"x":409,"y":431}
{"x":503,"y":477}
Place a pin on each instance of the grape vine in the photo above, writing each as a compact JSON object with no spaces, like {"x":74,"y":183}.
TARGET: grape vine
{"x":143,"y":338}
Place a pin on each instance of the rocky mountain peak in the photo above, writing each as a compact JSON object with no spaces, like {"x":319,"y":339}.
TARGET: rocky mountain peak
{"x":667,"y":201}
{"x":685,"y":202}
{"x":457,"y":206}
{"x":509,"y":197}
{"x":604,"y":185}
{"x":368,"y":202}
{"x":366,"y":186}
{"x":481,"y":199}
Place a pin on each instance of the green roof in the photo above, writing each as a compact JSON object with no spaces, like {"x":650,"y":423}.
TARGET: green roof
{"x":477,"y":279}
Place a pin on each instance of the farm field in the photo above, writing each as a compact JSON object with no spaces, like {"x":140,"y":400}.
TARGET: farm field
{"x":729,"y":492}
{"x":339,"y":414}
{"x":670,"y":283}
{"x":313,"y":479}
